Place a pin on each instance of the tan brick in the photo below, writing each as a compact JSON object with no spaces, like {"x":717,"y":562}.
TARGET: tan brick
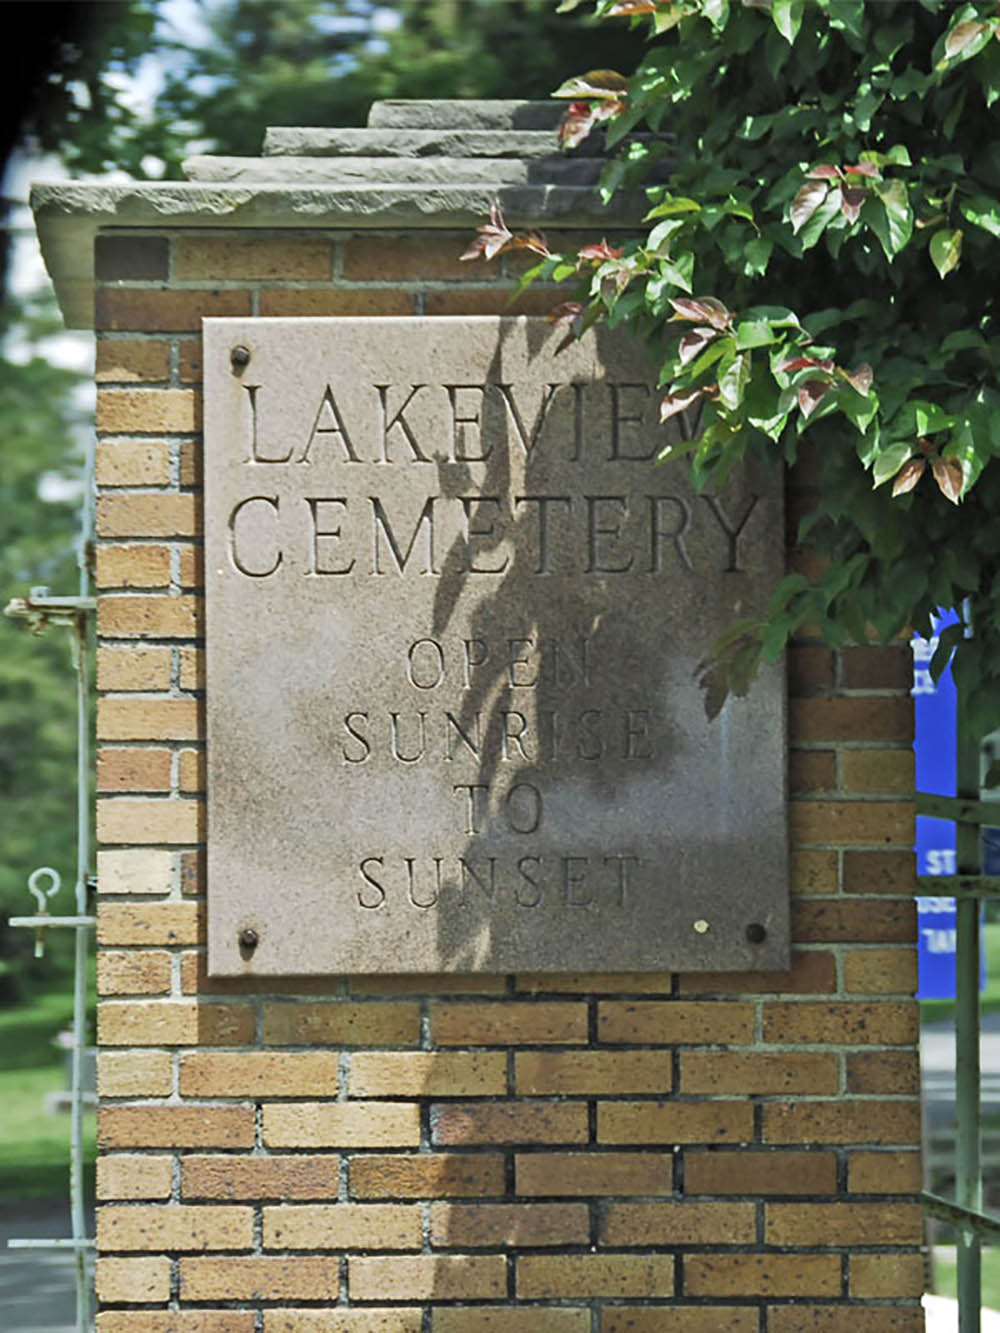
{"x":399,"y":258}
{"x":674,"y":1122}
{"x":191,"y":565}
{"x":191,"y":771}
{"x":121,"y":360}
{"x":884,"y":1172}
{"x":856,"y":719}
{"x":555,"y":1276}
{"x":826,"y":921}
{"x":464,"y":1125}
{"x":852,"y":1024}
{"x":134,"y":1074}
{"x":132,"y":463}
{"x":327,"y":301}
{"x":190,"y":368}
{"x":133,"y":770}
{"x":175,"y":1127}
{"x":508,"y":1319}
{"x":810,"y":668}
{"x":190,"y":453}
{"x":578,"y":1073}
{"x":881,"y":971}
{"x":761,"y":1274}
{"x":442,"y":1176}
{"x":421,"y":1277}
{"x":753,"y":1173}
{"x":813,"y":972}
{"x":812,"y":871}
{"x":569,"y":1174}
{"x":884,"y":1072}
{"x":877,"y":667}
{"x":537,"y":301}
{"x":175,"y":1321}
{"x":343,"y":1226}
{"x":628,"y":1224}
{"x":220,"y":257}
{"x":343,"y":1320}
{"x":842,"y":1122}
{"x":341,"y":1125}
{"x":193,"y":872}
{"x":173,"y":1023}
{"x":133,"y":972}
{"x":502,"y":1023}
{"x":258,"y":1074}
{"x":174,"y":1227}
{"x":667,"y":1022}
{"x":844,"y":1319}
{"x":880,"y":872}
{"x":134,"y":1176}
{"x":594,"y":983}
{"x":758,"y":1072}
{"x":128,"y":819}
{"x":843,"y":1223}
{"x":428,"y":1074}
{"x":341,"y":1024}
{"x":886,"y":772}
{"x":147,"y":719}
{"x":124,"y":616}
{"x":812,"y":771}
{"x":851,"y":822}
{"x":132,"y":567}
{"x":294,"y":1177}
{"x":510,"y":1225}
{"x":149,"y":923}
{"x":194,"y":974}
{"x":148,"y":515}
{"x":148,"y":411}
{"x":261,"y":1278}
{"x":133,"y":1280}
{"x":135,"y":870}
{"x":884,"y":1276}
{"x":136,"y":667}
{"x":135,"y":310}
{"x":427,"y":983}
{"x":683,"y":1319}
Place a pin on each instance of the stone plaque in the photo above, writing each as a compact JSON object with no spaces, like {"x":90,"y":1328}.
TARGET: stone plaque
{"x":453,"y":617}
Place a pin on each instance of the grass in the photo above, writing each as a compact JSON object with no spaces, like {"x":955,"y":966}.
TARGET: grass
{"x":945,"y":1270}
{"x":34,"y":1143}
{"x":936,"y":1010}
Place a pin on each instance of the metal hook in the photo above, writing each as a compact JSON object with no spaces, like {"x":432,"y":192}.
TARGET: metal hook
{"x":41,"y":898}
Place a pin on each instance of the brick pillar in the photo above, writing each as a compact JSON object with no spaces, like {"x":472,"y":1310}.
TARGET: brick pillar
{"x":721,"y":1153}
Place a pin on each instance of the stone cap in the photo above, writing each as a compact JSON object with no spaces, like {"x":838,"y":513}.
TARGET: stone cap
{"x":416,"y":164}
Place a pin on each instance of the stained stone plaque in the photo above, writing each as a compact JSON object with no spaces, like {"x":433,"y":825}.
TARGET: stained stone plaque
{"x":454,"y":613}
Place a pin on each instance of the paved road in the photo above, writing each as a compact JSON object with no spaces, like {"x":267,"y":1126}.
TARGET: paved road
{"x":37,"y":1287}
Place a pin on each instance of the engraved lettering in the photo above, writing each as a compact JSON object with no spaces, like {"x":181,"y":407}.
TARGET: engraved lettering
{"x":366,"y":898}
{"x":470,"y":502}
{"x":353,"y":731}
{"x":425,"y":522}
{"x":574,"y":877}
{"x":428,"y":673}
{"x":659,"y":533}
{"x":472,"y":790}
{"x":327,"y":413}
{"x":515,"y":660}
{"x":577,"y":672}
{"x":411,"y":892}
{"x":589,"y":744}
{"x":326,"y":534}
{"x":544,"y":503}
{"x":519,"y":891}
{"x":596,"y":529}
{"x":733,"y":534}
{"x":528,"y":442}
{"x":384,"y":425}
{"x":623,"y":863}
{"x":422,"y":744}
{"x":469,"y":873}
{"x":459,"y":453}
{"x":256,"y":456}
{"x":514,"y":726}
{"x":523,"y":807}
{"x":578,"y":419}
{"x":621,"y":417}
{"x":637,"y":734}
{"x":234,"y":542}
{"x":476,"y":653}
{"x":472,"y":743}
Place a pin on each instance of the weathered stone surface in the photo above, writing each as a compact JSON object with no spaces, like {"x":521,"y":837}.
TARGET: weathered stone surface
{"x":453,"y":618}
{"x":466,"y":115}
{"x":551,"y":170}
{"x":283,"y":141}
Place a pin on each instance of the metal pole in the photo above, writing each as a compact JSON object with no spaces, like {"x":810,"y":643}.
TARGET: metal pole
{"x":968,"y":1166}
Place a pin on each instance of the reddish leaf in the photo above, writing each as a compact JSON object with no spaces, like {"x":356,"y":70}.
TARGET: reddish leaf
{"x":851,"y":199}
{"x":492,"y":237}
{"x":566,"y":314}
{"x":702,"y":310}
{"x":693,"y":343}
{"x":675,"y":403}
{"x":807,"y":362}
{"x":806,"y":202}
{"x":576,"y":124}
{"x":607,"y":109}
{"x":864,"y":169}
{"x":948,"y":475}
{"x":625,"y":8}
{"x":597,"y":254}
{"x":908,"y":476}
{"x":824,"y":172}
{"x":599,"y":83}
{"x":811,"y":394}
{"x":529,"y":240}
{"x":961,"y":36}
{"x":859,"y":379}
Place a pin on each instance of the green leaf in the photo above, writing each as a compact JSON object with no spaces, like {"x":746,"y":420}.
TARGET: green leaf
{"x":946,"y":249}
{"x":890,"y":216}
{"x":753,"y":333}
{"x":671,"y":205}
{"x":888,"y":463}
{"x":679,"y":270}
{"x":787,"y":16}
{"x":756,"y":254}
{"x":733,"y":381}
{"x":820,"y":220}
{"x":663,"y":231}
{"x":983,"y":212}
